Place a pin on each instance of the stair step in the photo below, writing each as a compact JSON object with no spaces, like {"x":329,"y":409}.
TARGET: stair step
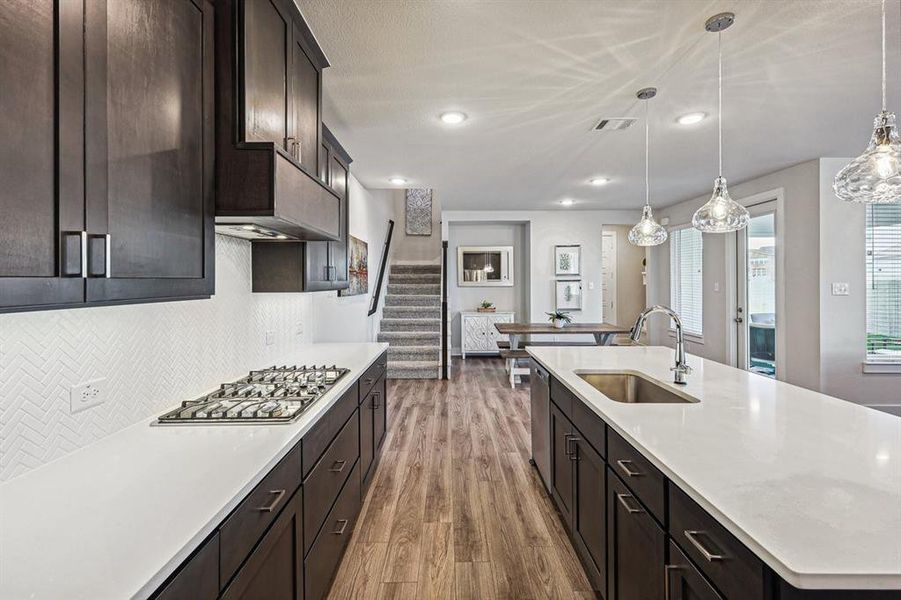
{"x":414,"y":278}
{"x":415,"y":268}
{"x":410,"y":338}
{"x":415,"y":289}
{"x":407,"y":353}
{"x":421,"y":325}
{"x":411,"y":300}
{"x":412,"y":312}
{"x":413,"y":369}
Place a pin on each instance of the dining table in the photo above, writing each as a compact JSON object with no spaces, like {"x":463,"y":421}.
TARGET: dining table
{"x":604,"y":333}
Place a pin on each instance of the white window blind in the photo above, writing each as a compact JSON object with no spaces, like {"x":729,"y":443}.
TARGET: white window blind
{"x":686,"y":278}
{"x":884,"y":283}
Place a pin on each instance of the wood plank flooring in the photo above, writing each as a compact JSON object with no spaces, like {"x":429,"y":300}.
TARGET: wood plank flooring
{"x":455,"y":511}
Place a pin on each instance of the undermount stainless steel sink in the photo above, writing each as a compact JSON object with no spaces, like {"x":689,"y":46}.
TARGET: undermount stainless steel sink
{"x":632,"y":388}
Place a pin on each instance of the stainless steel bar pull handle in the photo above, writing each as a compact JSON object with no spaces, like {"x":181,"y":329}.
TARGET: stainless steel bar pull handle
{"x":692,"y":536}
{"x":376,"y":396}
{"x":566,"y":450}
{"x":573,"y":448}
{"x":338,"y":466}
{"x":629,"y":509}
{"x":667,"y":586}
{"x":279,"y":494}
{"x":631,"y":473}
{"x":343,"y":525}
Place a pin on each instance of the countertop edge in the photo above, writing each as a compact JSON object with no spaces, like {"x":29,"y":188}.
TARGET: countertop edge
{"x":804,"y":581}
{"x":208,"y":528}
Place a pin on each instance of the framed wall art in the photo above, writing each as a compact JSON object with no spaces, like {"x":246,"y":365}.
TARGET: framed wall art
{"x":567,"y":261}
{"x":569,"y":295}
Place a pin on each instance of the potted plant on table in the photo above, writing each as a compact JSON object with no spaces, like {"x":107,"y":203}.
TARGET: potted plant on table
{"x":559,"y":318}
{"x":486,"y":306}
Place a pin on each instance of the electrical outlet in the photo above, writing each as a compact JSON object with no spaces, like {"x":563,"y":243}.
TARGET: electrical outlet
{"x":87,"y":394}
{"x":270,"y":337}
{"x":841,"y":289}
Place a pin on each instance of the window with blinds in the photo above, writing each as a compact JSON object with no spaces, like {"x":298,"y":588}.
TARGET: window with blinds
{"x":686,"y":278}
{"x":884,"y":283}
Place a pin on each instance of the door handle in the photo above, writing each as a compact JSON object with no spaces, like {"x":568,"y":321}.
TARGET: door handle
{"x":574,"y":448}
{"x":93,"y":241}
{"x":279,"y":494}
{"x":629,"y":509}
{"x":343,"y":526}
{"x":336,"y":469}
{"x":376,"y":396}
{"x":667,"y":586}
{"x":693,"y":538}
{"x":74,"y":254}
{"x":566,"y":437}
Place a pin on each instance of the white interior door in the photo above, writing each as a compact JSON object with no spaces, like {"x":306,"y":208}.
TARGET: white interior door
{"x":757,"y":278}
{"x":608,"y":277}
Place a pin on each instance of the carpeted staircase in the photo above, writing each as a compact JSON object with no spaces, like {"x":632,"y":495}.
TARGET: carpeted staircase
{"x":411,"y":321}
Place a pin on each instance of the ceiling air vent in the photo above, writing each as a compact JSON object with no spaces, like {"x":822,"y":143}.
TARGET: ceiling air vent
{"x":614,"y":123}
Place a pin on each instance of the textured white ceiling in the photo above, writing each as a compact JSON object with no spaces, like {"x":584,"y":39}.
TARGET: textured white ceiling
{"x":802,"y":81}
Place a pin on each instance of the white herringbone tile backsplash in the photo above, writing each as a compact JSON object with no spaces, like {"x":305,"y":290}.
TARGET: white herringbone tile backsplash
{"x":152,"y":355}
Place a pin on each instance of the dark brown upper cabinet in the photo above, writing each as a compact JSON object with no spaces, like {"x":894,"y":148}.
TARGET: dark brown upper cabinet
{"x":269,"y":116}
{"x":107,"y":169}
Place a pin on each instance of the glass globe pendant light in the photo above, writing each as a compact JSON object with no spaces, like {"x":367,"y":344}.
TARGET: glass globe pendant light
{"x":874,"y":177}
{"x":647,"y":232}
{"x":721,"y":214}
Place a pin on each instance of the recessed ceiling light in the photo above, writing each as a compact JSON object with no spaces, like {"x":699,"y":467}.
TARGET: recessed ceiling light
{"x":281,"y":236}
{"x":248,"y":227}
{"x":397,"y":180}
{"x":566,"y":202}
{"x":453,"y":117}
{"x":599,"y":181}
{"x":691,"y":118}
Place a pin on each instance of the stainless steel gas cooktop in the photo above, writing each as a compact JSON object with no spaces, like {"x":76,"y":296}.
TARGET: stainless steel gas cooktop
{"x":273,"y":395}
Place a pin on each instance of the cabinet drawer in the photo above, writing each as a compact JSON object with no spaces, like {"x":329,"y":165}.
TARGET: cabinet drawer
{"x":683,"y":580}
{"x":562,"y":397}
{"x":320,"y":437}
{"x":325,"y":554}
{"x":325,"y":480}
{"x":372,"y":374}
{"x":732,"y":568}
{"x":592,"y":428}
{"x":198,"y":578}
{"x":243,"y":528}
{"x":643,"y":478}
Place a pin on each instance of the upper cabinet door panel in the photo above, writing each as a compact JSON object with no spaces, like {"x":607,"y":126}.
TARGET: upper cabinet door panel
{"x":42,"y":206}
{"x":338,"y":176}
{"x":305,"y":100}
{"x":267,"y":33}
{"x":149,"y":157}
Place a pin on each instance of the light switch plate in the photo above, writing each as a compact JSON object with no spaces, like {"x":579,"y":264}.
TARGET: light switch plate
{"x":270,"y":337}
{"x":590,"y":285}
{"x":841,"y":289}
{"x":87,"y":394}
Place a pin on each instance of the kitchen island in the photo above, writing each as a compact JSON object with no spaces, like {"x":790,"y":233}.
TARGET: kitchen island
{"x":118,"y":518}
{"x":808,"y":484}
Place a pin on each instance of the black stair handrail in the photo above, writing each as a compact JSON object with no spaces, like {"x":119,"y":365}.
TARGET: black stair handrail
{"x":374,"y":302}
{"x":444,"y":364}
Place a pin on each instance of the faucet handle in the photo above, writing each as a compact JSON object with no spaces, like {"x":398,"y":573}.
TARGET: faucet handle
{"x":683,"y":368}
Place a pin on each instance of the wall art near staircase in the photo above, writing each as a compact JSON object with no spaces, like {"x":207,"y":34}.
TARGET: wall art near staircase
{"x":419,"y":211}
{"x":358,"y":267}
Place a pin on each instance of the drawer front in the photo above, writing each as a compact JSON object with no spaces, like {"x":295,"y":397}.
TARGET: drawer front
{"x":684,"y":581}
{"x":643,"y":478}
{"x":732,"y":568}
{"x":562,"y":397}
{"x":318,"y":439}
{"x":592,"y":428}
{"x":241,"y":531}
{"x":198,"y":578}
{"x":372,"y":374}
{"x":325,"y":554}
{"x":321,"y":487}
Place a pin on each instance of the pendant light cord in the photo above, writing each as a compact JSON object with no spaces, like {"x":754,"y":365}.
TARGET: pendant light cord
{"x":647,"y":157}
{"x":719,"y":51}
{"x":884,"y":103}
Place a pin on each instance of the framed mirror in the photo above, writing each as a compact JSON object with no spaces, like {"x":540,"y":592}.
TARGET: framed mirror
{"x":485,"y":266}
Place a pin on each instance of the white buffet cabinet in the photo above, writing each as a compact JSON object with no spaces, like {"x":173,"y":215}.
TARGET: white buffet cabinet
{"x":478,"y":334}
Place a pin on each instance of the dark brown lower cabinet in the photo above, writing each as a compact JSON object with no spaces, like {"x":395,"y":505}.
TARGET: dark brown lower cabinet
{"x":683,"y":581}
{"x":274,"y":570}
{"x":325,"y":555}
{"x":198,"y":579}
{"x":561,"y":465}
{"x":373,"y":420}
{"x":635,"y":546}
{"x":589,"y":522}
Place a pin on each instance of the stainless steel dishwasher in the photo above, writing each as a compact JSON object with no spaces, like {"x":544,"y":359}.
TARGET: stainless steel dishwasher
{"x":539,"y":380}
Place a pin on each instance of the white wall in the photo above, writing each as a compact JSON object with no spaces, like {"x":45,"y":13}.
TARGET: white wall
{"x":823,"y":242}
{"x":546,"y":229}
{"x":415,"y":248}
{"x":344,"y":319}
{"x":514,"y":298}
{"x":152,"y":356}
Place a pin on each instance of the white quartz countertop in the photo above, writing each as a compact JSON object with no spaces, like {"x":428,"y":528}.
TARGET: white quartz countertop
{"x":810,"y":483}
{"x":114,"y":519}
